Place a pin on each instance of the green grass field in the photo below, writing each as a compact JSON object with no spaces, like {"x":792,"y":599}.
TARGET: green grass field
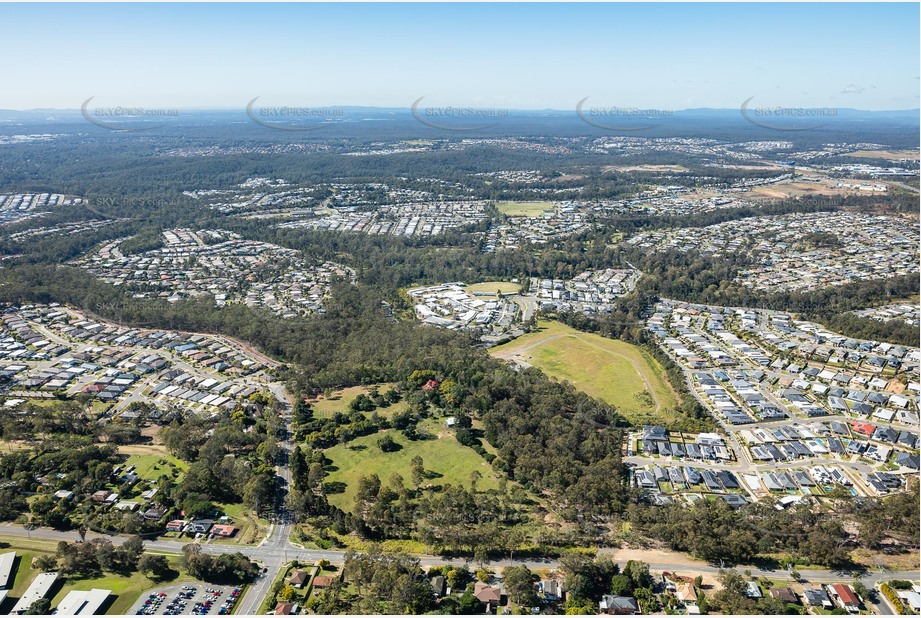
{"x":611,"y":370}
{"x":524,"y":209}
{"x":125,"y":589}
{"x":338,"y":401}
{"x":447,"y":459}
{"x":492,"y":287}
{"x":150,"y":468}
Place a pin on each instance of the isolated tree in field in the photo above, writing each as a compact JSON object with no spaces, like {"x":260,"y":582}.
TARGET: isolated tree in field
{"x":418,"y":471}
{"x":387,"y":444}
{"x":475,"y":477}
{"x":480,"y":556}
{"x":130,"y":552}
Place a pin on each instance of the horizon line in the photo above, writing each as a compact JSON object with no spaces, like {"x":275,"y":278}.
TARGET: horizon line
{"x":470,"y":107}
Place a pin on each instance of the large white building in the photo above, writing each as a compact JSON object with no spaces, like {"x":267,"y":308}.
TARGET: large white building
{"x":38,"y":589}
{"x":6,"y":569}
{"x":83,"y":602}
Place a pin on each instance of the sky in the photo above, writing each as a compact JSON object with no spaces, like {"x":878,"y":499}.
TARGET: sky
{"x":500,"y":56}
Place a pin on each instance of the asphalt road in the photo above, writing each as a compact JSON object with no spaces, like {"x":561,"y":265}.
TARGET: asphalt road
{"x":276,"y":549}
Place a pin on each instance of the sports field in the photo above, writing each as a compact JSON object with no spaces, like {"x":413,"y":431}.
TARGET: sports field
{"x":491,"y":287}
{"x":613,"y":371}
{"x":523,"y":209}
{"x":445,"y":460}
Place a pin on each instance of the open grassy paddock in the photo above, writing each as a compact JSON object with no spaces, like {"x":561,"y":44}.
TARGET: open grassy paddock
{"x":611,"y":370}
{"x":491,"y":287}
{"x":338,"y":401}
{"x":893,"y":155}
{"x":445,"y":459}
{"x":151,"y":467}
{"x":523,"y":209}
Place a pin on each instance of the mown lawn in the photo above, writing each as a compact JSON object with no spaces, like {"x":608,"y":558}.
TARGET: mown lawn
{"x":491,"y":287}
{"x":125,"y":588}
{"x":151,"y":467}
{"x":445,"y":459}
{"x":523,"y":209}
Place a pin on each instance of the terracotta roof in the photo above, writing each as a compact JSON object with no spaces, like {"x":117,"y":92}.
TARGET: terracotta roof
{"x":846,"y":595}
{"x":298,"y":577}
{"x":486,"y":593}
{"x":323,"y":581}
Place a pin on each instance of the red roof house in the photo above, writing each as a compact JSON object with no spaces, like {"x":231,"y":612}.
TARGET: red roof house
{"x":847,"y":597}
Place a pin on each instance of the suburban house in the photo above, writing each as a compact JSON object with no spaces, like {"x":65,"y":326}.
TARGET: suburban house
{"x":552,"y":589}
{"x":286,"y":609}
{"x":487,"y":594}
{"x":438,"y":585}
{"x":687,"y":594}
{"x":154,"y":513}
{"x":101,"y":495}
{"x":223,"y":530}
{"x":847,"y":598}
{"x":816,"y":597}
{"x":618,"y":606}
{"x":175,"y":525}
{"x":784,"y":594}
{"x":322,"y":581}
{"x":299,"y":578}
{"x":200,"y":526}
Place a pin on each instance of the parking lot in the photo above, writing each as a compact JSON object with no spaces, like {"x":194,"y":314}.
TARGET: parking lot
{"x":196,"y":598}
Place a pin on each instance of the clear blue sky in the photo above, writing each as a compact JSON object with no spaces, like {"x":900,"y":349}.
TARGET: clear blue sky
{"x":520,"y":56}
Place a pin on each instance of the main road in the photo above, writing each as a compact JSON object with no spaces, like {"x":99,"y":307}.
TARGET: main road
{"x":276,"y":549}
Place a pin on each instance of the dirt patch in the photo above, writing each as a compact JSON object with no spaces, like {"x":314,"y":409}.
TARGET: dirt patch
{"x":894,"y":562}
{"x":143,"y":449}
